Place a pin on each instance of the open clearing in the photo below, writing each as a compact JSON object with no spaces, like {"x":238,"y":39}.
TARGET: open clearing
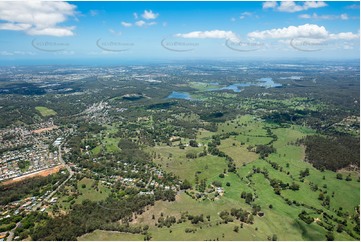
{"x":45,"y":112}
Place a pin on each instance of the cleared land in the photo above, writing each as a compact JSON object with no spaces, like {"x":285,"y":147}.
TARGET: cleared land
{"x":281,"y":212}
{"x":45,"y":112}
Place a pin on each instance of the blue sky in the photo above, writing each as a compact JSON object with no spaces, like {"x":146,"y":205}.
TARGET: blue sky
{"x":67,"y":32}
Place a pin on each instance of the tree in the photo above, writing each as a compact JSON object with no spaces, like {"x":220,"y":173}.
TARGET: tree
{"x":330,"y":236}
{"x":243,"y":195}
{"x":221,"y":175}
{"x":294,"y":186}
{"x":249,"y":198}
{"x":217,"y":184}
{"x":274,"y":237}
{"x":193,"y":143}
{"x":340,"y":228}
{"x":236,"y":229}
{"x":228,"y":184}
{"x":339,"y":176}
{"x":185,"y":185}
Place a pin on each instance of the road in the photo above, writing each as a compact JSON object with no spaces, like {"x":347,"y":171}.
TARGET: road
{"x":150,"y":179}
{"x":11,"y":232}
{"x":71,"y":173}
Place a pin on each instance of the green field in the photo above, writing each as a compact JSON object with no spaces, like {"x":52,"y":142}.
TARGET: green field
{"x":93,"y":193}
{"x":45,"y":112}
{"x":282,"y":219}
{"x":90,"y":193}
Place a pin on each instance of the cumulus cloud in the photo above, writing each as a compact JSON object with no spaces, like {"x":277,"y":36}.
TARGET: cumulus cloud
{"x":213,"y":34}
{"x":303,"y":31}
{"x":307,"y":30}
{"x":291,"y":6}
{"x":126,"y":24}
{"x":37,"y":18}
{"x":149,"y":15}
{"x":270,"y":4}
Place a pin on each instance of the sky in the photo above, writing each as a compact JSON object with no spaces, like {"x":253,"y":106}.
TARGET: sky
{"x":110,"y":32}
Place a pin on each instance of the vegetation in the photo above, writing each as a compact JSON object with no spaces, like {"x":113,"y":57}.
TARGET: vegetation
{"x":264,"y":164}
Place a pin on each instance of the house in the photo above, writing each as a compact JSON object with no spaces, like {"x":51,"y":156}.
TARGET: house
{"x":174,"y":138}
{"x":2,"y":236}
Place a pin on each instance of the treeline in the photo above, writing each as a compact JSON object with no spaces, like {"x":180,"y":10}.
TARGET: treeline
{"x":332,"y":153}
{"x":213,"y":149}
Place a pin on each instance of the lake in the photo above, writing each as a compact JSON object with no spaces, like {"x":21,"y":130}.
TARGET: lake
{"x":266,"y":82}
{"x":180,"y":95}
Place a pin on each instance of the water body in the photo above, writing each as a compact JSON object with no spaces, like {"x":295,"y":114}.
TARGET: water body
{"x":266,"y":82}
{"x":180,"y":95}
{"x":234,"y":87}
{"x":292,"y":78}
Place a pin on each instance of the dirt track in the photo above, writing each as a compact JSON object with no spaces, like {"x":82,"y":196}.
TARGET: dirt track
{"x":37,"y":131}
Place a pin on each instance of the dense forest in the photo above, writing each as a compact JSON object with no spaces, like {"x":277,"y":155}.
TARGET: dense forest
{"x":332,"y":153}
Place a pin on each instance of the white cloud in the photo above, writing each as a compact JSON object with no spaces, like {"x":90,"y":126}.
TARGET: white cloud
{"x":314,"y":4}
{"x":245,"y":14}
{"x":307,"y":30}
{"x":344,"y":16}
{"x":305,"y":16}
{"x":233,"y":19}
{"x":291,"y":6}
{"x":213,"y":34}
{"x":324,"y":17}
{"x":344,"y":36}
{"x":269,"y":4}
{"x":303,"y":31}
{"x":140,"y":23}
{"x":16,"y":27}
{"x":52,"y":31}
{"x":135,"y":15}
{"x":149,"y":15}
{"x":37,"y":18}
{"x":126,"y":24}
